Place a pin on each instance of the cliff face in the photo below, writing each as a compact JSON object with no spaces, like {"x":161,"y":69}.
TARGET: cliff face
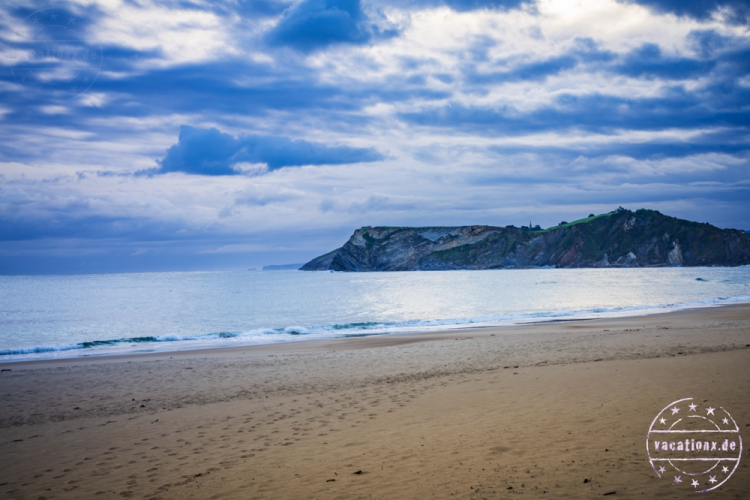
{"x":618,"y":239}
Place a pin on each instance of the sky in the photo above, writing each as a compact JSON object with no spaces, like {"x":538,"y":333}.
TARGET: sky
{"x":173,"y":135}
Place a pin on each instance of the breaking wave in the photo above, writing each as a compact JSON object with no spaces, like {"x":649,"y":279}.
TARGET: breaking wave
{"x":344,"y":330}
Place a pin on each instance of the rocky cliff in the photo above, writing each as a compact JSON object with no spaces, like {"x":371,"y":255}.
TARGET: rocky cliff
{"x":617,"y":239}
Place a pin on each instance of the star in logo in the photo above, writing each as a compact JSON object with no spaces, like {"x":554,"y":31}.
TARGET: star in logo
{"x":53,"y":17}
{"x":720,"y":423}
{"x":71,"y":20}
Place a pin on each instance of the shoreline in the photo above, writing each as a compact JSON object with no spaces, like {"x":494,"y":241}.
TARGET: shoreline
{"x":423,"y":336}
{"x":353,"y":342}
{"x":489,"y":413}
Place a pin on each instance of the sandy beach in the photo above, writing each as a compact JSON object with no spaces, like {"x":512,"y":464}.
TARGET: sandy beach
{"x":549,"y":410}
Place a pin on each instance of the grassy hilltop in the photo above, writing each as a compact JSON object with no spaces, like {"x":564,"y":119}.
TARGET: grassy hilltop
{"x":622,"y":238}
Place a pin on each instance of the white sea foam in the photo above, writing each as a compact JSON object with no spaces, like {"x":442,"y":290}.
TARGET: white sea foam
{"x":267,"y":335}
{"x":148,"y":312}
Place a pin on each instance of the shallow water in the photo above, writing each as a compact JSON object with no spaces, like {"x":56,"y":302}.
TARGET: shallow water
{"x":66,"y":316}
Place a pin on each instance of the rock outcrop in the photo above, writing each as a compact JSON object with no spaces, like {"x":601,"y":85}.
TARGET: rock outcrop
{"x":618,"y":239}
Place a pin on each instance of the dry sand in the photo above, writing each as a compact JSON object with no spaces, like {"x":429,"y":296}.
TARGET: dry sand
{"x":552,"y":410}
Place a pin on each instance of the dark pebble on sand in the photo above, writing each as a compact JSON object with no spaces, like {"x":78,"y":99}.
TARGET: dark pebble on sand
{"x":358,"y":472}
{"x":330,"y":480}
{"x":585,"y":481}
{"x":609,"y":493}
{"x":143,"y":406}
{"x":9,"y":370}
{"x":76,"y":407}
{"x":510,"y":487}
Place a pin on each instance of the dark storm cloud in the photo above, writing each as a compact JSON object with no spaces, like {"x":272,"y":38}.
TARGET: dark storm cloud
{"x":211,"y":152}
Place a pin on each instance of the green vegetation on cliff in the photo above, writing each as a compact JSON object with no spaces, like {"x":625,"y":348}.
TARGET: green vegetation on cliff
{"x":621,"y":238}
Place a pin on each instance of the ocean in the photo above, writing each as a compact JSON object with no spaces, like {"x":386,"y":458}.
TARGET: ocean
{"x":65,"y":316}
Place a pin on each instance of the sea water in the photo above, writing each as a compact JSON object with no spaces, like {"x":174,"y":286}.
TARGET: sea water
{"x":85,"y":315}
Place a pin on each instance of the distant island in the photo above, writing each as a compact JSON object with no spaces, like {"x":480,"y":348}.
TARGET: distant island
{"x":622,"y":238}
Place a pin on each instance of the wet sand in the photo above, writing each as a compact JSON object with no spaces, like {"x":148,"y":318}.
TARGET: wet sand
{"x":550,"y":410}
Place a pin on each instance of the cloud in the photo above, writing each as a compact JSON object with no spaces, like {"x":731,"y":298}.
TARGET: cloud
{"x":479,"y":106}
{"x":536,"y":71}
{"x":463,"y":5}
{"x":648,"y":61}
{"x":251,"y":8}
{"x":716,"y":104}
{"x":211,"y":152}
{"x":649,"y":147}
{"x":314,"y":24}
{"x":707,"y":42}
{"x":466,"y":5}
{"x":736,"y":11}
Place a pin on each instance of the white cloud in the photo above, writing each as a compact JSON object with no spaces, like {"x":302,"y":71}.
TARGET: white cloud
{"x":433,"y":175}
{"x":178,"y":35}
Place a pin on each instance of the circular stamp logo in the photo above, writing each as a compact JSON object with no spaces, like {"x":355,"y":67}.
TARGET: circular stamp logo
{"x":48,"y":53}
{"x":694,"y":445}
